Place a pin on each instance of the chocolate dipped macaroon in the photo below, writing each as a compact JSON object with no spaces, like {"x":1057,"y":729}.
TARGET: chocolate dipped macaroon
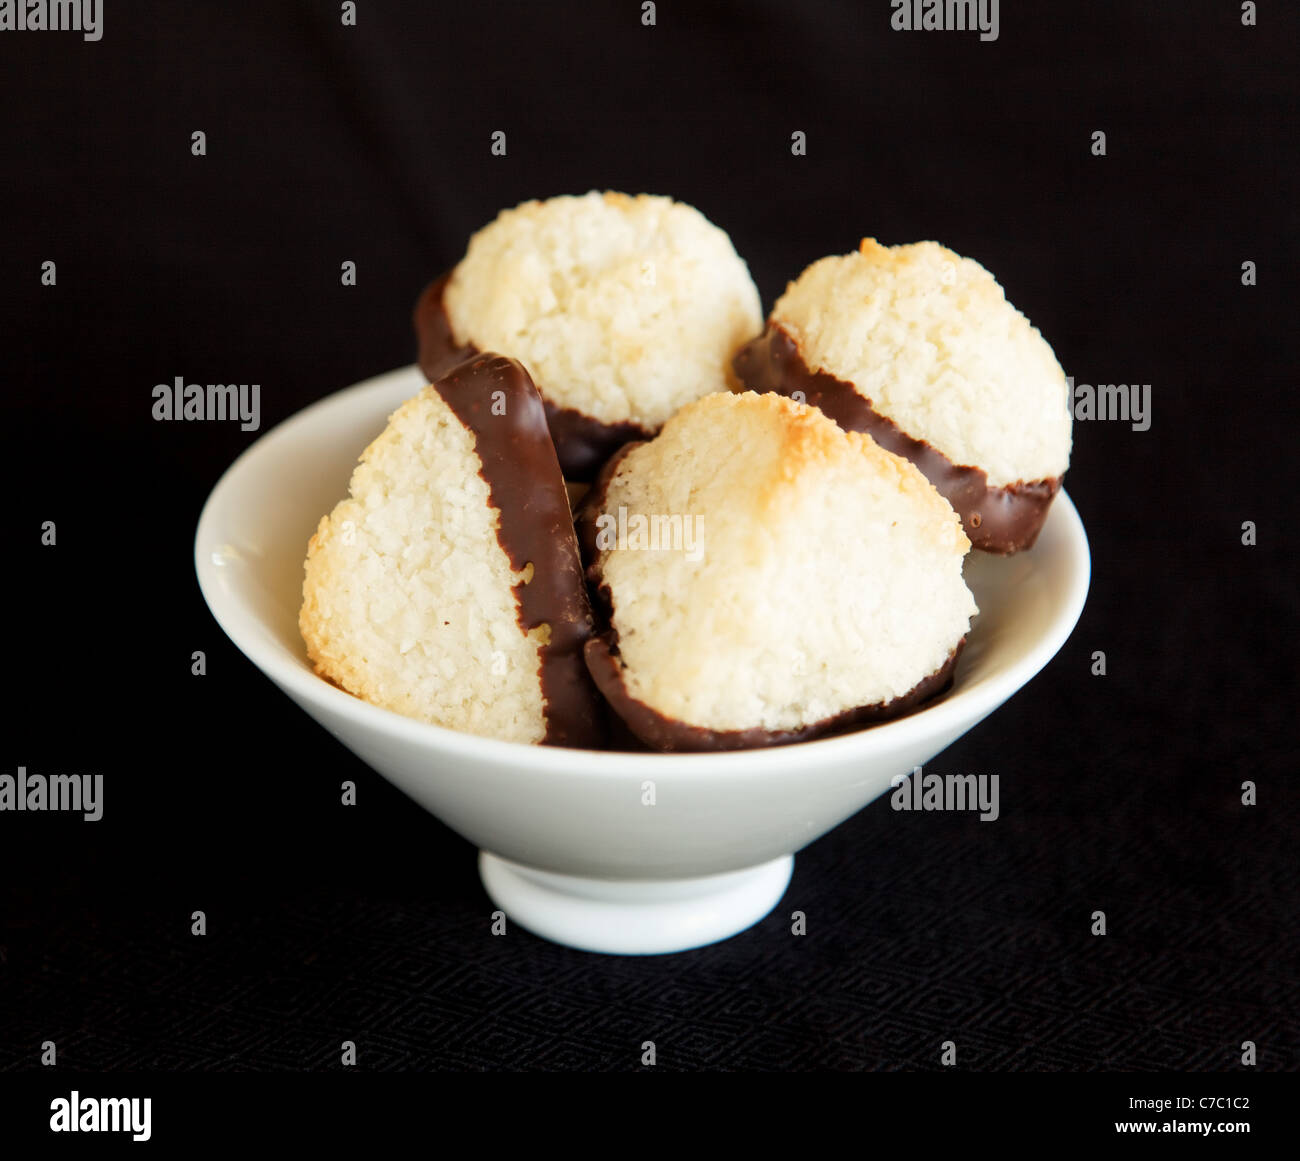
{"x":448,"y":585}
{"x":622,"y":308}
{"x":920,"y":348}
{"x":764,"y":577}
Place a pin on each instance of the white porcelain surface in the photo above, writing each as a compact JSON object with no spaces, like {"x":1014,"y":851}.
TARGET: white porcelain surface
{"x":634,"y":918}
{"x":582,"y":814}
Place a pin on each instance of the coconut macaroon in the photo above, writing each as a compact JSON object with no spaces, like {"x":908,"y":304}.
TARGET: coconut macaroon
{"x":766,"y":577}
{"x":448,"y":586}
{"x":920,"y":348}
{"x":622,"y":308}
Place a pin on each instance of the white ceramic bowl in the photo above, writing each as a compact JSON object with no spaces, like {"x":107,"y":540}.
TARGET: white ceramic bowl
{"x":570,"y":846}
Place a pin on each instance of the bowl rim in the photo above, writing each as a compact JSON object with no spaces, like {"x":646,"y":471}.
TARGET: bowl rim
{"x":953,"y":713}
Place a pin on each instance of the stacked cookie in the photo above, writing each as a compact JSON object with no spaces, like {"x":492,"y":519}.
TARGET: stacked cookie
{"x":772,"y":547}
{"x":920,"y":348}
{"x":622,"y":308}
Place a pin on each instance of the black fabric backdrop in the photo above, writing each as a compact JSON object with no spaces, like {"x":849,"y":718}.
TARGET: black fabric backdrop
{"x":1120,"y":793}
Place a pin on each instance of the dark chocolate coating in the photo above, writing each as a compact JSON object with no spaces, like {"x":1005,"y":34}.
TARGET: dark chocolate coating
{"x":585,"y":514}
{"x":517,"y":459}
{"x":582,"y":443}
{"x":1001,"y":519}
{"x":665,"y":734}
{"x":668,"y":735}
{"x":438,"y":349}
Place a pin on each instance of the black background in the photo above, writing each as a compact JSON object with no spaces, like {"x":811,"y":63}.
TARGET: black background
{"x":371,"y":144}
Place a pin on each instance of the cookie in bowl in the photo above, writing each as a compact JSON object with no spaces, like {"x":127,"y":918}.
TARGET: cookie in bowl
{"x":447,"y":587}
{"x":762,"y":577}
{"x":920,"y":348}
{"x":622,"y":309}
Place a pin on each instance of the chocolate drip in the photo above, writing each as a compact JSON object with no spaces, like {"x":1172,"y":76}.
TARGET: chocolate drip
{"x":1001,"y":519}
{"x":582,"y":443}
{"x":667,"y":734}
{"x":438,"y":349}
{"x":496,"y":400}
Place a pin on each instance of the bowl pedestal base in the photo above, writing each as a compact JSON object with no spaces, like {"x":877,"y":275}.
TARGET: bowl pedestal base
{"x":634,"y":916}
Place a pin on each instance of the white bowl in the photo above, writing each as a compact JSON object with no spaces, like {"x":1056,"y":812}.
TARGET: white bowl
{"x":570,"y":846}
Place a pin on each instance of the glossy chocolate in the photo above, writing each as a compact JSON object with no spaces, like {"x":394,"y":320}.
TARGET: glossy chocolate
{"x":496,"y":400}
{"x":582,"y":443}
{"x":1001,"y":519}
